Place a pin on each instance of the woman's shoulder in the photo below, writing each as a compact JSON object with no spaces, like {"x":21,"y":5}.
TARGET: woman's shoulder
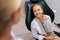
{"x":18,"y":39}
{"x":14,"y":37}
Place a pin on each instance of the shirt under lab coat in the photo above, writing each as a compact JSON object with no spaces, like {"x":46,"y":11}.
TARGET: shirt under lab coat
{"x":38,"y":30}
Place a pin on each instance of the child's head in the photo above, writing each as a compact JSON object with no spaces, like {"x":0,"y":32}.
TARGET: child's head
{"x":37,"y":10}
{"x":10,"y":10}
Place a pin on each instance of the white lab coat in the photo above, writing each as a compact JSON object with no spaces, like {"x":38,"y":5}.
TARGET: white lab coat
{"x":14,"y":37}
{"x":38,"y":30}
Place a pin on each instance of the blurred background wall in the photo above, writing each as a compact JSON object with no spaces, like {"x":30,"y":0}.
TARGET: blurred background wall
{"x":55,"y":4}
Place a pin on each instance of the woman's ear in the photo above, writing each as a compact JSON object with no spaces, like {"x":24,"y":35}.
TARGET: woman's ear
{"x":14,"y":17}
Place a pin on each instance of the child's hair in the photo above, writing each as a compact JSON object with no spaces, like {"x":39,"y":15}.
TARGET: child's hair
{"x":36,"y":5}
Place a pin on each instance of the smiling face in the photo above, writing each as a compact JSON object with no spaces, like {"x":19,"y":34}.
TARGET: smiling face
{"x":38,"y":11}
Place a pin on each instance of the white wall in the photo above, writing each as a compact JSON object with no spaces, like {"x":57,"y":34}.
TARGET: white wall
{"x":55,"y":4}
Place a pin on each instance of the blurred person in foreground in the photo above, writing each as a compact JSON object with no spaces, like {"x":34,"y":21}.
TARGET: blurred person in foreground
{"x":10,"y":14}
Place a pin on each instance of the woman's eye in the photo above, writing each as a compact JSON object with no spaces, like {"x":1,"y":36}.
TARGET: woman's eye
{"x":38,"y":9}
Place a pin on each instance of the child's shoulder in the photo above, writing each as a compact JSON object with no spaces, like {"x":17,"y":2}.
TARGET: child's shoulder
{"x":45,"y":17}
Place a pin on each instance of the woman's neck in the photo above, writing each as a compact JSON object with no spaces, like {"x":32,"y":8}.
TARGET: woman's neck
{"x":5,"y":32}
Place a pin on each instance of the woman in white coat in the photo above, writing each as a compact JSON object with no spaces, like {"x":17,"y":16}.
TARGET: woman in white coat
{"x":10,"y":14}
{"x":41,"y":24}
